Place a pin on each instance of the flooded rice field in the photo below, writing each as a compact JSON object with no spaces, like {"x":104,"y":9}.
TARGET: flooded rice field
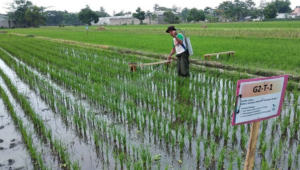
{"x":69,"y":107}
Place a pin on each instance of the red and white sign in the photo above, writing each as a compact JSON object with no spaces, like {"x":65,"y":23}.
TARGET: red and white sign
{"x":259,"y":99}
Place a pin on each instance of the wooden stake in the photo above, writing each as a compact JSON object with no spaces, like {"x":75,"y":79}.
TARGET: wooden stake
{"x":132,"y":67}
{"x":249,"y":162}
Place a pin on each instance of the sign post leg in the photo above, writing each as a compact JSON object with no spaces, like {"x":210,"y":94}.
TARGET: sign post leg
{"x":249,"y":162}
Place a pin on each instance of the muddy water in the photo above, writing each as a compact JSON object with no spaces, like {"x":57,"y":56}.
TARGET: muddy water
{"x":44,"y":150}
{"x":86,"y":155}
{"x":12,"y":150}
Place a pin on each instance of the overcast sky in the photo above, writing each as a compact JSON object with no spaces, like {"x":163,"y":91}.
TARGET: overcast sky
{"x":126,"y":5}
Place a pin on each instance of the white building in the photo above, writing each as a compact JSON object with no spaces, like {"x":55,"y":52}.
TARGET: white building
{"x":122,"y":20}
{"x":258,"y":18}
{"x":130,"y":20}
{"x":282,"y":15}
{"x":5,"y":23}
{"x":285,"y":15}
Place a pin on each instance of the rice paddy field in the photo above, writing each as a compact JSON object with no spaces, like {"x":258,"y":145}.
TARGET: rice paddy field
{"x":76,"y":106}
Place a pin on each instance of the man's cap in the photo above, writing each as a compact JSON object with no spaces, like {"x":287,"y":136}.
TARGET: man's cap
{"x":170,"y":28}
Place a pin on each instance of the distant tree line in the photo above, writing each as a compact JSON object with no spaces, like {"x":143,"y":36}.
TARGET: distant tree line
{"x":85,"y":16}
{"x":236,"y":10}
{"x":25,"y":14}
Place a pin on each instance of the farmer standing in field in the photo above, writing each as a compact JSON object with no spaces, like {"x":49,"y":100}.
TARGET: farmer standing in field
{"x":182,"y":53}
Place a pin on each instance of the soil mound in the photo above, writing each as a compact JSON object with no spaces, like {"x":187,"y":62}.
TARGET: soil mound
{"x":101,"y":28}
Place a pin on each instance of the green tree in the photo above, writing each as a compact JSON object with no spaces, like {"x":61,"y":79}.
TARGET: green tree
{"x":240,"y":10}
{"x":17,"y":12}
{"x":237,"y":10}
{"x":251,"y":9}
{"x":184,"y":14}
{"x":250,"y":4}
{"x":196,"y":15}
{"x":156,"y":7}
{"x":164,"y":9}
{"x":86,"y":15}
{"x":120,"y":13}
{"x":255,"y":13}
{"x":171,"y":18}
{"x":154,"y":17}
{"x":174,"y":8}
{"x":54,"y":17}
{"x":71,"y":19}
{"x":102,"y":13}
{"x":140,"y":15}
{"x":161,"y":8}
{"x":227,"y":9}
{"x":176,"y":19}
{"x":283,"y":6}
{"x":210,"y":14}
{"x":261,"y":7}
{"x":34,"y":16}
{"x":270,"y":11}
{"x":208,"y":10}
{"x":127,"y":13}
{"x":150,"y":16}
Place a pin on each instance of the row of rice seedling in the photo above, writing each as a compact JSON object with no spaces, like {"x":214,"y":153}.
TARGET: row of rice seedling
{"x":162,"y":114}
{"x":39,"y":146}
{"x":32,"y":80}
{"x":26,"y":74}
{"x":40,"y":129}
{"x":36,"y":156}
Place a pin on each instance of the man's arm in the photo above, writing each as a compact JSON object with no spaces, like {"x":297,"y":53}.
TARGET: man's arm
{"x":172,"y":52}
{"x":177,"y":39}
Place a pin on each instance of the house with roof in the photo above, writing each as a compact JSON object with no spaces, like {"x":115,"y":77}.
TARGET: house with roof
{"x":296,"y":12}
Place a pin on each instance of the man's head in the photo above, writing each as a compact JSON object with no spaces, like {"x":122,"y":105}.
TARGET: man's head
{"x":170,"y":29}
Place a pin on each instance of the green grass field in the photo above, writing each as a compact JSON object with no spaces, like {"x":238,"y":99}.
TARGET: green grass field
{"x":266,"y":45}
